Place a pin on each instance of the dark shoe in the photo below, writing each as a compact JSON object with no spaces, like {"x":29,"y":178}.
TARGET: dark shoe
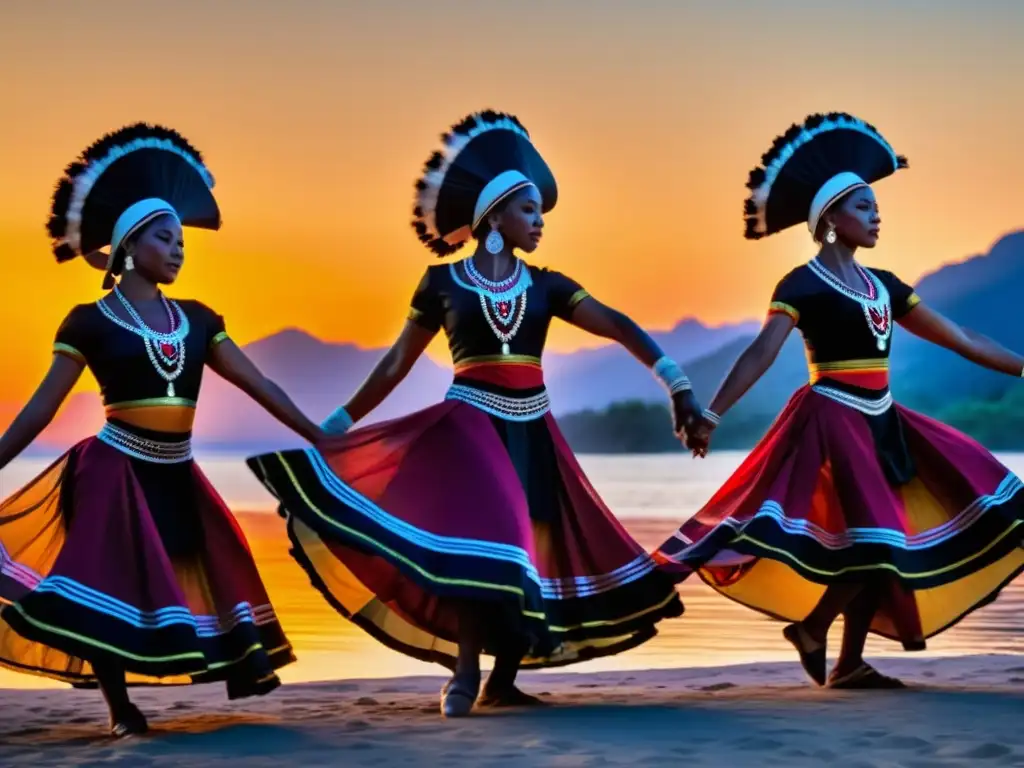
{"x":812,"y":653}
{"x":129,"y":723}
{"x":509,"y":697}
{"x":865,"y":677}
{"x":458,"y":697}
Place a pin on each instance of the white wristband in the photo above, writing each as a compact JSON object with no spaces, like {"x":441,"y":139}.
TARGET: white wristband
{"x":338,"y":423}
{"x":711,"y":417}
{"x":671,"y":375}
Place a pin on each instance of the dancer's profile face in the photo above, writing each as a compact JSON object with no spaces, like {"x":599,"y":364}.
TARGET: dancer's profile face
{"x":159,"y":251}
{"x":857,"y":220}
{"x":521,"y":222}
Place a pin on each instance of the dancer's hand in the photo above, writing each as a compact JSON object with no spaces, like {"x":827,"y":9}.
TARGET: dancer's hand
{"x":685,"y":411}
{"x":698,"y":437}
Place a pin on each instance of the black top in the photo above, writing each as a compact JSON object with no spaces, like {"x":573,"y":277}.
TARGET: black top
{"x":444,"y":300}
{"x":836,"y":330}
{"x":118,"y":358}
{"x":833,"y":325}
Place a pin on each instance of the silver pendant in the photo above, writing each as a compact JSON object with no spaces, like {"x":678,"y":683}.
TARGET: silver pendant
{"x":881,"y":345}
{"x":170,"y":389}
{"x":505,"y":349}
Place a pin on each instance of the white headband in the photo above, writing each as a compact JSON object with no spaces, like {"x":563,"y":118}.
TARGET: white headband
{"x":831,"y":191}
{"x":497,"y":189}
{"x":135,"y":216}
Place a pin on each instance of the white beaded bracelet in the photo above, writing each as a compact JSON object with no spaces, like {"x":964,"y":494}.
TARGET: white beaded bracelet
{"x":338,"y":423}
{"x":682,"y":384}
{"x":711,"y":417}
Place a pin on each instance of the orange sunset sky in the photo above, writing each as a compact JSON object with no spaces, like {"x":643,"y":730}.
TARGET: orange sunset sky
{"x":316,"y":115}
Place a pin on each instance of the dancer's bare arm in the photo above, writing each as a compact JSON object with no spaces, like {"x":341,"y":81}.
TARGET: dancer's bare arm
{"x":390,"y":370}
{"x":751,"y":365}
{"x":601,"y":320}
{"x":41,"y":408}
{"x":235,"y":366}
{"x":926,"y":323}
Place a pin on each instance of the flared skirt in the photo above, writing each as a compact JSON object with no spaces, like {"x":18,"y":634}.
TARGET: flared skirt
{"x":400,"y":524}
{"x":104,"y":557}
{"x":813,"y":505}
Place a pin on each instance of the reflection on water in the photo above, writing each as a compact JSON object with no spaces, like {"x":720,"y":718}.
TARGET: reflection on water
{"x":652,"y":494}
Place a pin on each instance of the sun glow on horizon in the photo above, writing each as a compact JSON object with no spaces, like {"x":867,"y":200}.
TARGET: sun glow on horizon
{"x":316,"y":117}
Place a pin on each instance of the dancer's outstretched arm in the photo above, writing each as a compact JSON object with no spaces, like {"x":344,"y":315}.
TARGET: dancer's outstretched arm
{"x":932,"y":326}
{"x":386,"y":375}
{"x":234,"y":365}
{"x":601,"y":320}
{"x":745,"y":372}
{"x":41,"y":408}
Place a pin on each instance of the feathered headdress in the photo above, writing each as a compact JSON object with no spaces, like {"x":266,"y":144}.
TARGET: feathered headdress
{"x":485,"y":158}
{"x":811,"y":166}
{"x":123,"y":181}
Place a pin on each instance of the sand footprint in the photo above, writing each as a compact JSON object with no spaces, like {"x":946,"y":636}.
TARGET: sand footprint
{"x":717,"y":687}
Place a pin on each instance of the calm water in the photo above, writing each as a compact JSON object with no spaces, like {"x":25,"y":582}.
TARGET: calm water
{"x":651,"y":494}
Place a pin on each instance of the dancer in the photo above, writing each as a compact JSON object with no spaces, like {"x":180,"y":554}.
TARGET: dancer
{"x":120,"y":563}
{"x":850,"y":504}
{"x":469,"y":527}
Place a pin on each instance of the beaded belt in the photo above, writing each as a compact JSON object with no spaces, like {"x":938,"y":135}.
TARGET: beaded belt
{"x":869,"y":406}
{"x":503,"y":406}
{"x":155,"y":451}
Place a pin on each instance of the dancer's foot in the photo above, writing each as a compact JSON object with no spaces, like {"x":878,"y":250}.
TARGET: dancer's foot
{"x":129,"y":722}
{"x":811,"y":650}
{"x":459,"y":695}
{"x":508,"y":697}
{"x":863,"y":677}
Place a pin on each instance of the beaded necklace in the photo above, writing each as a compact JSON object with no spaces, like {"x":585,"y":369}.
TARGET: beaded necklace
{"x":875,"y":303}
{"x":166,"y":351}
{"x":503,"y":301}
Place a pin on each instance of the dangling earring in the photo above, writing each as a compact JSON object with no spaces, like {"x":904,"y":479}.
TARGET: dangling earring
{"x":129,"y":263}
{"x":494,"y":243}
{"x":830,"y":236}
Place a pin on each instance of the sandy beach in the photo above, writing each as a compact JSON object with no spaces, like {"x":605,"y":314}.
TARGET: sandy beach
{"x":959,"y":712}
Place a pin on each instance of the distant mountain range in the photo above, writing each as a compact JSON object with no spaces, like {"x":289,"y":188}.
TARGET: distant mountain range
{"x":982,"y":293}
